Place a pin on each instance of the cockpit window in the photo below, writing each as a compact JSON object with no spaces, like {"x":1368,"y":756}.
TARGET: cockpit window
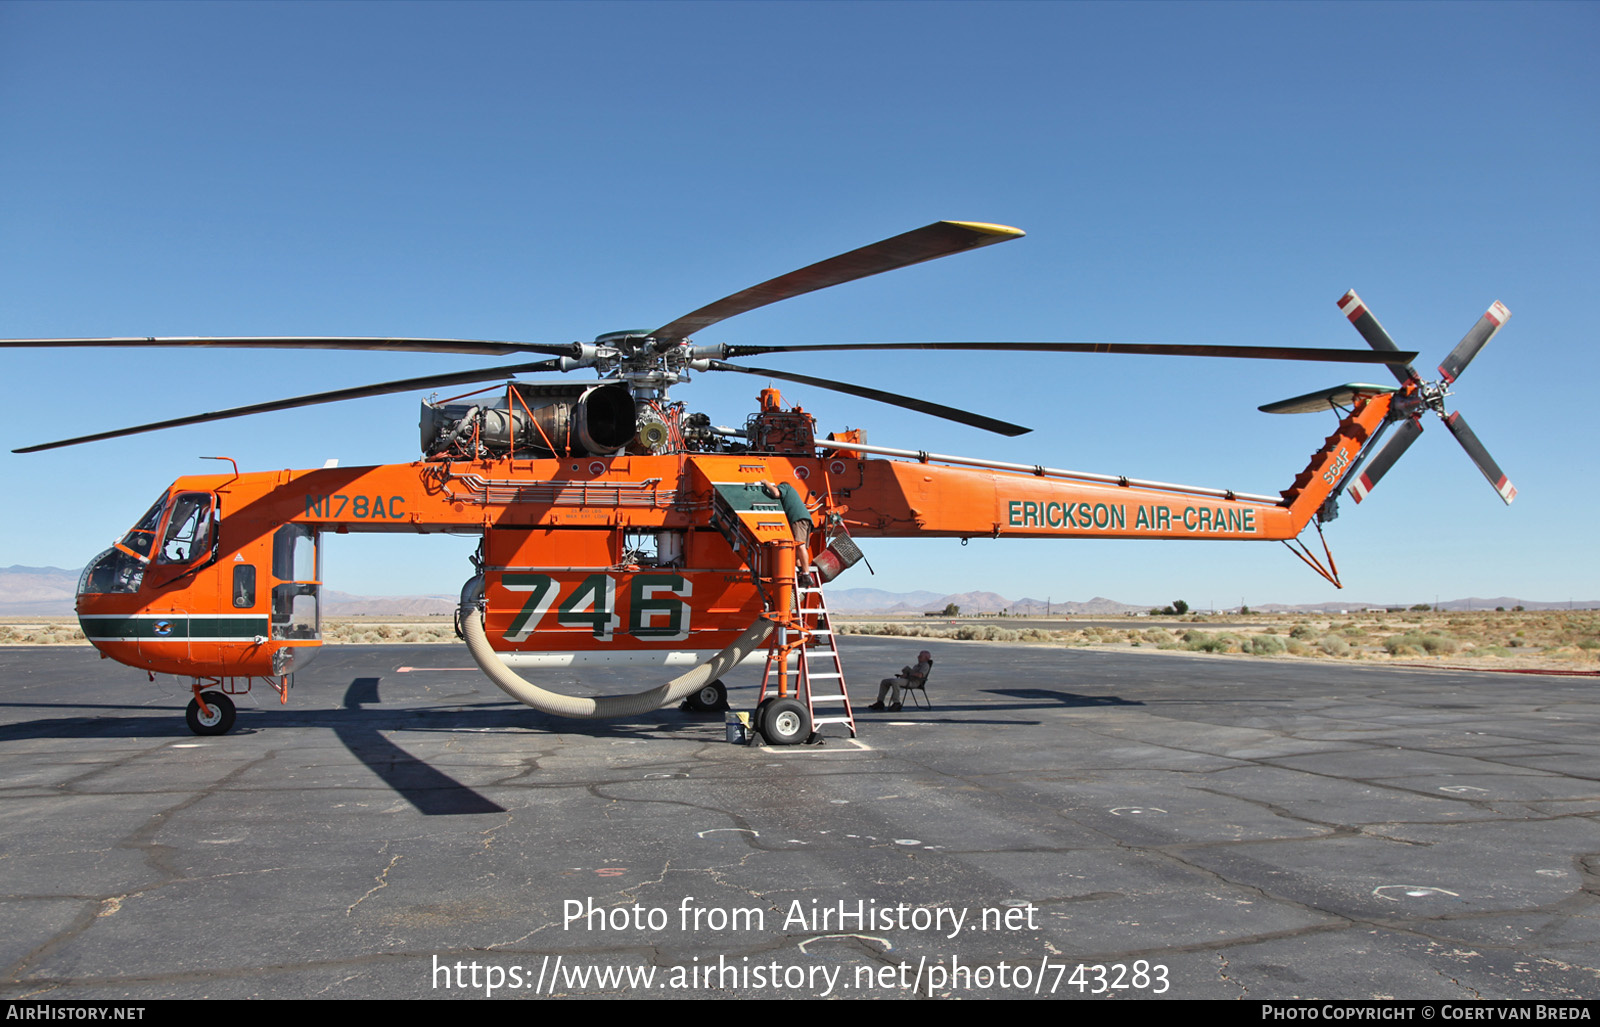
{"x":121,"y":568}
{"x":189,"y":529}
{"x":142,"y":538}
{"x":112,"y":571}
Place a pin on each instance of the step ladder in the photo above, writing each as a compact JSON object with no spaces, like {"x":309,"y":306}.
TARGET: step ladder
{"x":820,"y":674}
{"x":824,"y":686}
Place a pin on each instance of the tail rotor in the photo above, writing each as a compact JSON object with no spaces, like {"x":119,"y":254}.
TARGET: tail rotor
{"x":1418,"y":396}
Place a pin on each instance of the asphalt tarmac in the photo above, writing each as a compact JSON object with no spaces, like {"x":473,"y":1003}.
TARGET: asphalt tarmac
{"x":1062,"y":822}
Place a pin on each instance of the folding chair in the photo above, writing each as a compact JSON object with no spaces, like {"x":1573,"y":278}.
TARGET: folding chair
{"x":914,"y":685}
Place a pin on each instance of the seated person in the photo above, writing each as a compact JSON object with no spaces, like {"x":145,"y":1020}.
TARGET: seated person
{"x":891,"y":687}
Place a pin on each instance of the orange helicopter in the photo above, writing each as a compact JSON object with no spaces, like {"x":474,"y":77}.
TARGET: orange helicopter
{"x":620,"y":528}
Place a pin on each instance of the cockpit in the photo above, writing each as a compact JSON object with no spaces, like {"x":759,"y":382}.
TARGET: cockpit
{"x":179,"y":530}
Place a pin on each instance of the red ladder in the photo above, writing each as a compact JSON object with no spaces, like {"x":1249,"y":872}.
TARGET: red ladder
{"x":825,"y":686}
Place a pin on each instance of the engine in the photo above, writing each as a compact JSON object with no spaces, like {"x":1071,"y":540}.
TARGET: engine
{"x":533,"y":420}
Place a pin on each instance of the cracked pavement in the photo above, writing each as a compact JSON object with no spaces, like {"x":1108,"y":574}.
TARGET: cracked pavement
{"x":1261,"y":828}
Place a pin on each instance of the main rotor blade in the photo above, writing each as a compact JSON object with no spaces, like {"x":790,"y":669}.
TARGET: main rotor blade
{"x":1351,"y":306}
{"x":1477,"y":337}
{"x":939,"y":239}
{"x":910,"y":403}
{"x":474,"y":347}
{"x":1343,"y":356}
{"x":1367,"y":480}
{"x":359,"y":392}
{"x":1480,"y":456}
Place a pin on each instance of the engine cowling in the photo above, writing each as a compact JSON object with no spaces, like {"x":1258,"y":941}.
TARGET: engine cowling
{"x":533,"y":420}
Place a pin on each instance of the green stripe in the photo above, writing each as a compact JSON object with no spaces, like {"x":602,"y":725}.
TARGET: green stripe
{"x":179,"y":627}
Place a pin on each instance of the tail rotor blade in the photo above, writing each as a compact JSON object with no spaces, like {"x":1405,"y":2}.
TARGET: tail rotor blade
{"x":1367,"y":480}
{"x":1351,"y":306}
{"x":1478,"y":337}
{"x":1480,"y":456}
{"x":922,"y":406}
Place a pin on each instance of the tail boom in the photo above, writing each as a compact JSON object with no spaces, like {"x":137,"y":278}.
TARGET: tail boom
{"x":899,"y":498}
{"x":1333,"y":462}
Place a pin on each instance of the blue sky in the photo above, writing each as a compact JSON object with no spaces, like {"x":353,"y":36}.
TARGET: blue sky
{"x":546,"y":172}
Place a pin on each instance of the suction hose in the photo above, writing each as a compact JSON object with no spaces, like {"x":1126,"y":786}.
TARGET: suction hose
{"x":599,"y":707}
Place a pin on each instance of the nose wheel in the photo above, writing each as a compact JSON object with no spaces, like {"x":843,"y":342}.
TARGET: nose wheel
{"x":216,"y":719}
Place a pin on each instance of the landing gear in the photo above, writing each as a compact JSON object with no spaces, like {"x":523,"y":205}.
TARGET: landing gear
{"x":711,"y":698}
{"x":783,"y":721}
{"x":218,"y":718}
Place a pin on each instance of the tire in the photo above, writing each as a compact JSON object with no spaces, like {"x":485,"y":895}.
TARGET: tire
{"x":787,"y":722}
{"x":759,"y":717}
{"x":222,"y":715}
{"x":711,"y":698}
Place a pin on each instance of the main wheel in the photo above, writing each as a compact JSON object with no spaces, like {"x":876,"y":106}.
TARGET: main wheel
{"x":787,"y":722}
{"x":222,"y":714}
{"x":712,"y":698}
{"x":759,"y":716}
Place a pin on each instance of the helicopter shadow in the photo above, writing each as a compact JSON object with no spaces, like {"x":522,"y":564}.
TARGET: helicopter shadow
{"x":359,"y":724}
{"x":1048,"y":697}
{"x":433,"y":792}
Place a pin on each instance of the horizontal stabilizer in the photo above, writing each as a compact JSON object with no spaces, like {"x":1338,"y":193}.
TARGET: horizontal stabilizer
{"x":1326,"y":399}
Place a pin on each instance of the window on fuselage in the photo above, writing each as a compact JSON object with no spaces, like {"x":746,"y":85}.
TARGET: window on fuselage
{"x":244,"y":586}
{"x":294,"y":553}
{"x":295,"y":612}
{"x":190,"y":529}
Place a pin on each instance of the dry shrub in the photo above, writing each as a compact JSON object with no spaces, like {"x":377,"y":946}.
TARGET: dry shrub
{"x":1333,"y":645}
{"x":1205,"y":642}
{"x":1413,"y":642}
{"x":1266,"y":645}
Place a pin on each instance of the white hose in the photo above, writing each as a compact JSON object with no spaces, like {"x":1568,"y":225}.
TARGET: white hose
{"x":597,"y":707}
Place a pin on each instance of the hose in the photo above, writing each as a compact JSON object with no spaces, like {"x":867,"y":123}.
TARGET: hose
{"x":598,"y":707}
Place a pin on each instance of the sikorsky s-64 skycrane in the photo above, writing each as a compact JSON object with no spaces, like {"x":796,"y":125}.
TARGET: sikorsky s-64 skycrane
{"x":620,"y":528}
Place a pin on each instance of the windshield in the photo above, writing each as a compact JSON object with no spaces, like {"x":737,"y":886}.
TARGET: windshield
{"x":121,"y":568}
{"x":142,"y":537}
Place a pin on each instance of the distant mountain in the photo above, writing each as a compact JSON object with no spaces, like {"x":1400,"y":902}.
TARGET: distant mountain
{"x":1098,"y":606}
{"x":37,"y":591}
{"x":343,"y":604}
{"x":49,"y":592}
{"x":971,"y":602}
{"x":1452,"y":605}
{"x":861,"y":601}
{"x":876,"y":600}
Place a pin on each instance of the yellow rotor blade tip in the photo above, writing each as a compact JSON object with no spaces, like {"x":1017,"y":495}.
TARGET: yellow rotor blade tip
{"x":988,"y":229}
